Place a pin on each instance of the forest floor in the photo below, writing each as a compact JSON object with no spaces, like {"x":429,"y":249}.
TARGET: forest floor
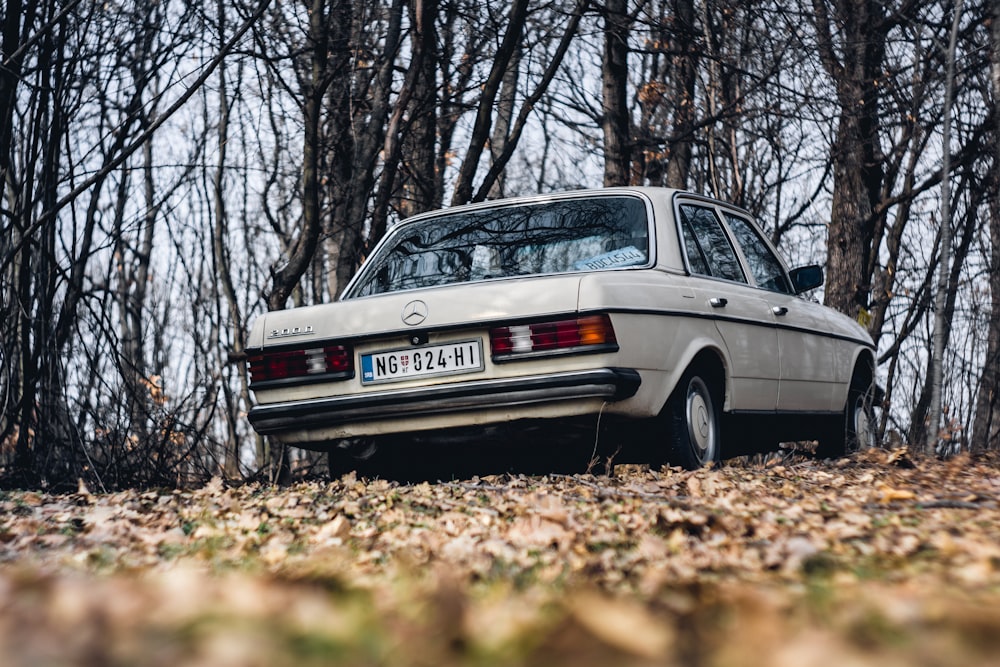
{"x":879,"y":559}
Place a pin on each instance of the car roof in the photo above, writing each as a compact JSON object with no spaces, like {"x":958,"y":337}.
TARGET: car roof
{"x":541,"y":198}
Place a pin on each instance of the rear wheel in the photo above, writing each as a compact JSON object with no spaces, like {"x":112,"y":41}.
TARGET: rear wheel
{"x":855,"y":429}
{"x":693,"y":415}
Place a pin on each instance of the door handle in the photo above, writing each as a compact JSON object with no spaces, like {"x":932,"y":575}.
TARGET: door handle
{"x":718,"y":302}
{"x":779,"y":310}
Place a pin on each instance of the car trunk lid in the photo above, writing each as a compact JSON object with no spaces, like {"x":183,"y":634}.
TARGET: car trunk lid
{"x":443,"y":308}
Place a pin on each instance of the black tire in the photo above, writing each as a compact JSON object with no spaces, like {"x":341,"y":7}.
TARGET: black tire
{"x":855,"y":429}
{"x":693,"y":414}
{"x":350,"y":454}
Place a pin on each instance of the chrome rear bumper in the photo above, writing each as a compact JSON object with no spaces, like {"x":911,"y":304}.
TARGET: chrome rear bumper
{"x":612,"y":384}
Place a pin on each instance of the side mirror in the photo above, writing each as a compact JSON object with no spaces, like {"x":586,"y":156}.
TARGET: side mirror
{"x":805,"y":278}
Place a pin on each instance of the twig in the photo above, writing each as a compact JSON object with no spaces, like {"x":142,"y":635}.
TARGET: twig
{"x":958,"y":505}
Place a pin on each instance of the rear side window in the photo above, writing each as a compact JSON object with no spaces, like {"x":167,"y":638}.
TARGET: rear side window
{"x":706,"y":245}
{"x":586,"y":234}
{"x":764,"y":266}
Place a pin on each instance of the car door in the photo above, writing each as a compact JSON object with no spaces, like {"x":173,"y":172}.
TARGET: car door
{"x":808,"y":354}
{"x":741,"y":314}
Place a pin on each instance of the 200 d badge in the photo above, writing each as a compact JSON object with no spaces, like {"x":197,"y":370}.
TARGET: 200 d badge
{"x":291,"y":331}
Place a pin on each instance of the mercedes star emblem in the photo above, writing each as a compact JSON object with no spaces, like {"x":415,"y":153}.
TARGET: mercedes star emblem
{"x":414,"y":313}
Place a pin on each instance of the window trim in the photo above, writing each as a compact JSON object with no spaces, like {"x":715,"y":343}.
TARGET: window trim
{"x":713,"y":206}
{"x":349,"y":291}
{"x":721,"y":209}
{"x":755,"y":229}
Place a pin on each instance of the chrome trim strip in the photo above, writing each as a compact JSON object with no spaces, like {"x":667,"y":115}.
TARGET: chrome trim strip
{"x":613,"y":384}
{"x":488,"y":324}
{"x":715,"y":316}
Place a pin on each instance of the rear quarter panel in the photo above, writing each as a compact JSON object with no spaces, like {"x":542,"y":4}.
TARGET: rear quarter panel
{"x":659,"y":330}
{"x":854,"y":346}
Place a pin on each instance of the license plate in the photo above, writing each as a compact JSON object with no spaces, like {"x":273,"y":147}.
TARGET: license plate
{"x":419,"y":362}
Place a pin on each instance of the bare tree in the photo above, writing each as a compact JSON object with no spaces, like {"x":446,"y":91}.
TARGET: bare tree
{"x":316,"y":81}
{"x":615,"y":121}
{"x":683,"y":69}
{"x":509,"y":138}
{"x":222,"y":267}
{"x":481,"y":128}
{"x":146,"y":217}
{"x":93,"y":103}
{"x":986,"y":430}
{"x":944,"y":286}
{"x":852,"y":54}
{"x":409,"y":155}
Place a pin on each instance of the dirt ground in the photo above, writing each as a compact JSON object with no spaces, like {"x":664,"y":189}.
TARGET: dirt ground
{"x":879,"y":559}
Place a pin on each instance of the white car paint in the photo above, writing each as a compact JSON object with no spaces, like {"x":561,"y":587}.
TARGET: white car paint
{"x":781,"y":354}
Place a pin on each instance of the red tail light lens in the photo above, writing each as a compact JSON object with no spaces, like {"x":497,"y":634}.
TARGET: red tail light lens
{"x":590,"y":333}
{"x":313,"y":364}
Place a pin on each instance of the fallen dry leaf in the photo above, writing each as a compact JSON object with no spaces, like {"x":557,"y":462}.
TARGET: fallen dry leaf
{"x":880,"y":559}
{"x":887,"y":494}
{"x":624,"y":624}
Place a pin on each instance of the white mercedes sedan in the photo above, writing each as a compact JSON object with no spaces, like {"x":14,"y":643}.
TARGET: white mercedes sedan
{"x":633,"y":313}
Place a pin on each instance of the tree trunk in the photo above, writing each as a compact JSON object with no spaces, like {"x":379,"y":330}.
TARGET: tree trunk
{"x":923,"y":428}
{"x":614,"y":86}
{"x":14,"y":412}
{"x":10,"y":74}
{"x":420,"y":191}
{"x":856,"y":155}
{"x":986,"y":428}
{"x":409,"y":151}
{"x":220,"y":251}
{"x":285,"y":278}
{"x":683,"y":84}
{"x":942,"y":319}
{"x":505,"y":115}
{"x":484,"y":114}
{"x":353,"y":156}
{"x":501,"y":158}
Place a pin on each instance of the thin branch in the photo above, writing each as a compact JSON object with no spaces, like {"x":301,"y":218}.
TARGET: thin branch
{"x":127,"y":152}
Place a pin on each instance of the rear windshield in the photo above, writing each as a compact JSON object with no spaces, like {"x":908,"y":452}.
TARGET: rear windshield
{"x":552,"y":237}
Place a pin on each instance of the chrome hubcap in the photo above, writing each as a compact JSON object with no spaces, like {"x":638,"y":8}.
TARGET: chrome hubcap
{"x":864,"y":429}
{"x":700,"y":422}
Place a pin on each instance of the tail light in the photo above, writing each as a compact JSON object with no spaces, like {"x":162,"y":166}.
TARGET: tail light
{"x":591,"y":333}
{"x":332,"y":362}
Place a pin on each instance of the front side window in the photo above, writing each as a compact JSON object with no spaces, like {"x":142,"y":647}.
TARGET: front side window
{"x":708,"y":249}
{"x":549,"y":237}
{"x":764,"y":266}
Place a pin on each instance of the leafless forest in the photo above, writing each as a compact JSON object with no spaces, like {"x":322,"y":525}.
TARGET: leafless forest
{"x":171,"y":169}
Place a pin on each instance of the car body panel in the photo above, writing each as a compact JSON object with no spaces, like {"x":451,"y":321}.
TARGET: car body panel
{"x":744,"y":321}
{"x":779,"y":353}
